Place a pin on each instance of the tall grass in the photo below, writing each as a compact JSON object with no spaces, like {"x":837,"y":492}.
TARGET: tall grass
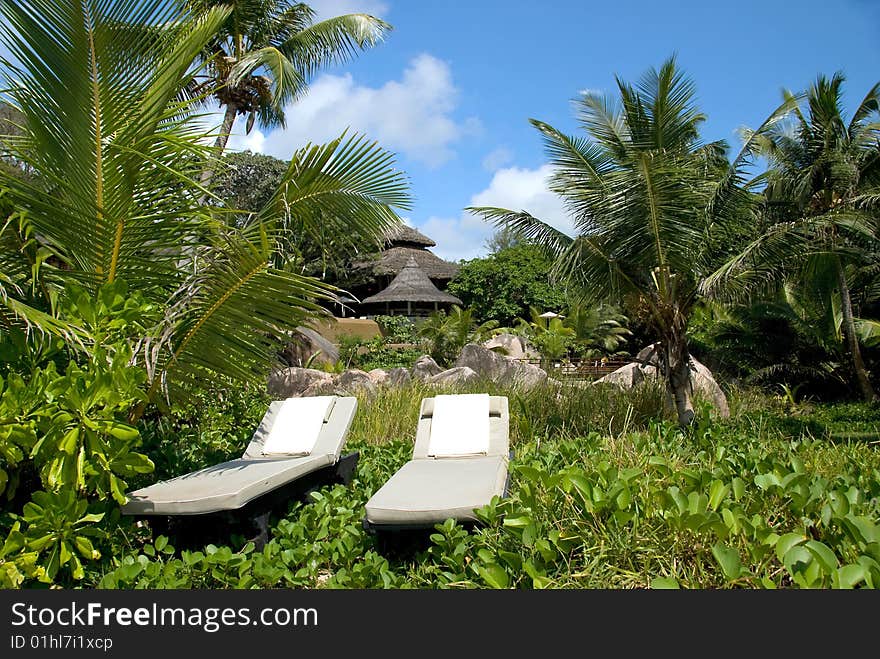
{"x":549,"y":411}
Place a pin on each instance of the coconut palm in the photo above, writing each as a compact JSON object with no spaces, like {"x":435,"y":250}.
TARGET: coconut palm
{"x":264,"y":52}
{"x":447,"y":333}
{"x":597,"y":329}
{"x":116,"y":155}
{"x":821,"y":200}
{"x":648,"y":200}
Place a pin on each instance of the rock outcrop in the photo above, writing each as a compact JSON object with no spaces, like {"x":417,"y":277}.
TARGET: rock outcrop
{"x":492,"y":366}
{"x":424,"y":368}
{"x":454,"y":376}
{"x":295,"y":381}
{"x":646,"y":367}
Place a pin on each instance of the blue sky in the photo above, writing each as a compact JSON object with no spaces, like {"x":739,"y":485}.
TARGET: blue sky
{"x":452,"y":88}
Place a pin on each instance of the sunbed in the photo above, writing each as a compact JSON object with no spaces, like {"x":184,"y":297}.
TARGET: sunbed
{"x":298,"y":444}
{"x":459,"y":463}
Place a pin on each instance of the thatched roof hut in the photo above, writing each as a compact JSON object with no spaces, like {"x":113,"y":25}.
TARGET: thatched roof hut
{"x":411,"y":290}
{"x":401,"y":244}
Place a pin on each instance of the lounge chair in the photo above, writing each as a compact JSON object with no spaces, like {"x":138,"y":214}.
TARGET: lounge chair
{"x":297,"y":446}
{"x":459,"y":463}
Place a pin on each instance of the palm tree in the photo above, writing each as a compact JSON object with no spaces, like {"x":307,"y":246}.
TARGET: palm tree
{"x":116,"y":154}
{"x":820,"y":207}
{"x":597,"y":329}
{"x":447,"y":333}
{"x":647,"y":199}
{"x":263,"y":53}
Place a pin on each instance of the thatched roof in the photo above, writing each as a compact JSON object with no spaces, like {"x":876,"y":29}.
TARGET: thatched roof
{"x":411,"y":285}
{"x":391,"y":261}
{"x":406,"y":236}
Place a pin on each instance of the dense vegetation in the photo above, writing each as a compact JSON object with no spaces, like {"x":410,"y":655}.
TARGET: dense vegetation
{"x":142,"y":309}
{"x":604,"y":493}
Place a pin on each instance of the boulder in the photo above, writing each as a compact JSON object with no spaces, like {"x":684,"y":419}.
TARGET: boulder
{"x":295,"y":381}
{"x":354,"y":381}
{"x":398,"y":377}
{"x":321,"y":388}
{"x":306,"y":344}
{"x":453,"y":376}
{"x":424,"y":368}
{"x":492,"y":366}
{"x":628,"y":376}
{"x":646,"y":366}
{"x":704,"y":384}
{"x":511,"y":346}
{"x":378,"y":376}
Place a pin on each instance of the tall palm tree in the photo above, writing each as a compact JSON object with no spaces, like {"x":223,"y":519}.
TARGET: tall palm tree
{"x":116,"y":155}
{"x":648,"y":199}
{"x":820,"y":212}
{"x":263,"y":54}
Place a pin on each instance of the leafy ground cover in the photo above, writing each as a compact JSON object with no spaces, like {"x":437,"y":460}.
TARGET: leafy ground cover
{"x":602,"y":495}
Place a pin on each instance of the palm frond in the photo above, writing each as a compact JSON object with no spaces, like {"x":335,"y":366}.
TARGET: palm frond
{"x":97,"y":134}
{"x":226,"y":319}
{"x":332,"y":41}
{"x":346,"y":190}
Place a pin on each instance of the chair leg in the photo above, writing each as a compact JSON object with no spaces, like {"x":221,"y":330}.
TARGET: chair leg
{"x":345,"y":468}
{"x":260,"y":524}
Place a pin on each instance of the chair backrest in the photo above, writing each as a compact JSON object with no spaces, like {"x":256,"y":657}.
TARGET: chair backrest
{"x":499,"y":428}
{"x":331,"y":436}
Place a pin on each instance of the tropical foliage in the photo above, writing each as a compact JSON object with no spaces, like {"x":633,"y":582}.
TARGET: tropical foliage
{"x":447,"y":333}
{"x":762,"y":501}
{"x":819,"y":212}
{"x":262,"y":54}
{"x":109,"y":247}
{"x":649,"y":200}
{"x":503,"y":285}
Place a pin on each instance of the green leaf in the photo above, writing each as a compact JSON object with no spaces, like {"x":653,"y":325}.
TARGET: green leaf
{"x":739,"y":487}
{"x":849,"y":576}
{"x":786,"y":542}
{"x":70,"y":441}
{"x":717,"y":492}
{"x":729,"y":560}
{"x":624,"y":499}
{"x":824,"y":555}
{"x":494,"y":575}
{"x":665,"y":583}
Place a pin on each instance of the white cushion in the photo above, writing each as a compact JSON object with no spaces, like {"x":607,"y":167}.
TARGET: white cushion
{"x":460,"y":426}
{"x":297,"y":425}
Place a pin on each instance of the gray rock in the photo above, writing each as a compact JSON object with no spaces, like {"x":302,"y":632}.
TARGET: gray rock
{"x":398,"y":377}
{"x":645,"y":367}
{"x":305,"y":344}
{"x":494,"y":367}
{"x":355,"y":381}
{"x":424,"y":368}
{"x":378,"y":376}
{"x":295,"y":381}
{"x":322,"y":388}
{"x":704,"y":385}
{"x":453,"y":376}
{"x":648,"y":355}
{"x":629,"y":376}
{"x":511,"y":346}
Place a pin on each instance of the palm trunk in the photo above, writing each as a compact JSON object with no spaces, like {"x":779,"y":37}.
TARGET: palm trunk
{"x":222,"y":139}
{"x":851,"y":340}
{"x":675,"y":360}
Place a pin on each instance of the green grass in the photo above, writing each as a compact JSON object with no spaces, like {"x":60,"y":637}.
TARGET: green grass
{"x":604,"y":493}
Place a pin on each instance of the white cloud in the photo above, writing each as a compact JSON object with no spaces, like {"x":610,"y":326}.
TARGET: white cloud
{"x":514,"y":188}
{"x":412,"y":115}
{"x":329,"y":8}
{"x":497,"y":158}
